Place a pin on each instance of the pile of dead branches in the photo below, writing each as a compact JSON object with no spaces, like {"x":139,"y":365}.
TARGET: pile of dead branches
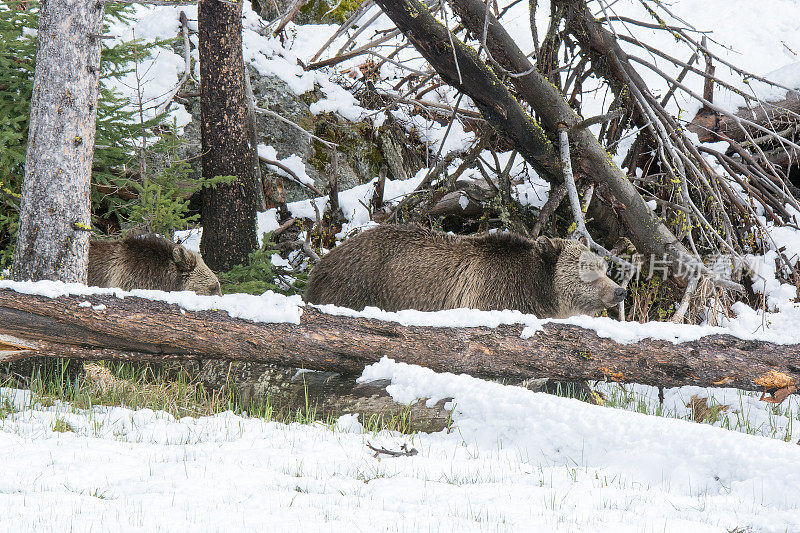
{"x":676,"y":198}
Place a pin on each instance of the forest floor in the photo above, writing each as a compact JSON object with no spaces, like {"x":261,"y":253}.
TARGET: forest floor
{"x":513,"y":460}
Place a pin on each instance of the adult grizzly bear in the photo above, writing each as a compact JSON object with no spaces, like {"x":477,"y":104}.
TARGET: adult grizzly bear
{"x":149,"y":262}
{"x":410,"y":267}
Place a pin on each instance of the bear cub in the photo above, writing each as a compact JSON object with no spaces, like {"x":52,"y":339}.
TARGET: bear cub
{"x":149,"y":262}
{"x":411,"y":267}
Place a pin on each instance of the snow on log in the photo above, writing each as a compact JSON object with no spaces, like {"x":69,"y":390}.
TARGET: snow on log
{"x":137,"y":329}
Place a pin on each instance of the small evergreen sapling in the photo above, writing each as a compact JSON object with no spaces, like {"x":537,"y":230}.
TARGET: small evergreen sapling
{"x":162,"y":203}
{"x":260,"y":275}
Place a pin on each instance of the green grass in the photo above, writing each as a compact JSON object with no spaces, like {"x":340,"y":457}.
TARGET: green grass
{"x":173,"y":388}
{"x":6,"y":408}
{"x":61,"y":426}
{"x":736,"y":416}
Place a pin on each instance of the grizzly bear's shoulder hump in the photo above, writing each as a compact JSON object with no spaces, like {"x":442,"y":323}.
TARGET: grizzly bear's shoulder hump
{"x":505,"y":242}
{"x":148,"y":246}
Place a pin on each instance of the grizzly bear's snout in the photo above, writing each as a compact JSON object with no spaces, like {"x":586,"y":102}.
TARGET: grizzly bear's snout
{"x":619,"y":295}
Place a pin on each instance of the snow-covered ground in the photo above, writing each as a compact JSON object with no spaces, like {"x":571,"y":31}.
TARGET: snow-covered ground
{"x":513,"y":461}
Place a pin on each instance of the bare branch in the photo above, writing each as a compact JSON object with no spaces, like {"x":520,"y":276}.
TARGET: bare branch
{"x":680,"y":313}
{"x":647,"y":24}
{"x":280,"y":117}
{"x":291,"y":12}
{"x":557,"y":194}
{"x":293,"y":175}
{"x":737,"y":120}
{"x":575,"y":203}
{"x":354,"y":53}
{"x":363,"y":8}
{"x":404,"y":451}
{"x":608,"y":117}
{"x":309,"y":251}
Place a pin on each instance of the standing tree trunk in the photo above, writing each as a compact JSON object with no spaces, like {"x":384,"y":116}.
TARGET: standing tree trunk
{"x":53,"y":240}
{"x":229,"y":211}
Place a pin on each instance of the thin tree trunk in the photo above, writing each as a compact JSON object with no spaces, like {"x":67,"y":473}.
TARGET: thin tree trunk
{"x":53,"y":239}
{"x":252,"y":132}
{"x":229,"y":211}
{"x":135,"y":329}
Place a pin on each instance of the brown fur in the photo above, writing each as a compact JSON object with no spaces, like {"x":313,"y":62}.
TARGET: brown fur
{"x":410,"y":267}
{"x":149,"y":262}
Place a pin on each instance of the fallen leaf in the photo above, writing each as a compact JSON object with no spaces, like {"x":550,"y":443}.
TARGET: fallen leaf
{"x":779,"y":395}
{"x":615,"y":376}
{"x":701,"y":411}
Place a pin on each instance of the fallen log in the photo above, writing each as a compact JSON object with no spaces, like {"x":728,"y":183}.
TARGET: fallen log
{"x":321,"y":395}
{"x":136,"y":329}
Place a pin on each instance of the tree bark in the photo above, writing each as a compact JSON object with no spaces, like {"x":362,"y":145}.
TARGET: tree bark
{"x":135,"y":329}
{"x":55,"y":221}
{"x":252,"y":132}
{"x":502,"y":111}
{"x":229,"y":211}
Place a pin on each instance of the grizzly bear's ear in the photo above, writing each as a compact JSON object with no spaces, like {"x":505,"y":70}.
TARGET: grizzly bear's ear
{"x":185,"y":261}
{"x":549,"y":249}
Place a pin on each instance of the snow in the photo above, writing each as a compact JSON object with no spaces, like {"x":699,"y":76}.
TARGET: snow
{"x":337,"y":100}
{"x":514,"y":460}
{"x":737,"y":410}
{"x":189,"y":238}
{"x":266,"y":221}
{"x":160,"y":74}
{"x":433,"y":133}
{"x":268,"y":307}
{"x":352,"y":203}
{"x":293,"y":162}
{"x":786,"y":238}
{"x":450,"y":318}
